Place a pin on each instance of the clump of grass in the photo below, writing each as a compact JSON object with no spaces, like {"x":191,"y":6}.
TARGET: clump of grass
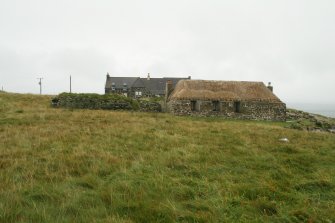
{"x":266,"y":208}
{"x":315,"y":186}
{"x":301,"y":216}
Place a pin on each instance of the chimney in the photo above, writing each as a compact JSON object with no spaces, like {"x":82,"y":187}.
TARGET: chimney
{"x":148,"y":77}
{"x":270,"y":87}
{"x":189,"y":77}
{"x":168,"y":89}
{"x":108,"y":75}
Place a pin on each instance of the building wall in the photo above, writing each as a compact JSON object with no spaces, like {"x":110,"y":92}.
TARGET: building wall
{"x":255,"y":110}
{"x":131,"y":92}
{"x":117,"y":91}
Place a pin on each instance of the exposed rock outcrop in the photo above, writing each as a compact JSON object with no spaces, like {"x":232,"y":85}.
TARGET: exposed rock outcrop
{"x":311,"y":122}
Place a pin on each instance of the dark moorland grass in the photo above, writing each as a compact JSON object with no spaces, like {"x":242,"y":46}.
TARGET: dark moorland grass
{"x":59,"y":165}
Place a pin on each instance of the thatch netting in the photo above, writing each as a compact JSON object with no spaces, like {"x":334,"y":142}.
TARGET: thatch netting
{"x":222,"y":90}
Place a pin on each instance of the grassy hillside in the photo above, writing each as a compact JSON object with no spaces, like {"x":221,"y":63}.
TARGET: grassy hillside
{"x":59,"y":165}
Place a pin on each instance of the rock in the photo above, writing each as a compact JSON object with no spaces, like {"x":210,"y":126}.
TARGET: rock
{"x":311,"y":122}
{"x":284,"y":140}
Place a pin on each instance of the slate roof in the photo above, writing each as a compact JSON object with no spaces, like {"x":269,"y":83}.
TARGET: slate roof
{"x":155,"y":85}
{"x":138,"y":83}
{"x":223,"y":90}
{"x":119,"y":81}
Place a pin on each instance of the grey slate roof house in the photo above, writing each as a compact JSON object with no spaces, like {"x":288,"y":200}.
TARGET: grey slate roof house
{"x":139,"y":87}
{"x":237,"y":99}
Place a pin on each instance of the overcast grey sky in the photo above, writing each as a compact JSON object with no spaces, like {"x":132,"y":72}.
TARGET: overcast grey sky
{"x":288,"y":42}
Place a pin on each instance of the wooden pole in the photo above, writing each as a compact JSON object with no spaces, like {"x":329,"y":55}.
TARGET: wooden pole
{"x":40,"y":83}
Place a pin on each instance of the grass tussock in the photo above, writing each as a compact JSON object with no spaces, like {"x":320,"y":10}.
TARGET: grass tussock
{"x":61,"y":165}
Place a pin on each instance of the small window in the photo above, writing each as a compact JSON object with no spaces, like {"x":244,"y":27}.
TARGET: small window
{"x":138,"y":93}
{"x":193,"y":105}
{"x":216,"y":105}
{"x":113,"y":88}
{"x":237,"y":106}
{"x":125,"y":87}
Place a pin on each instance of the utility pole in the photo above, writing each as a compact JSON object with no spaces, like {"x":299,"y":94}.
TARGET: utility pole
{"x":70,"y":85}
{"x":40,"y":83}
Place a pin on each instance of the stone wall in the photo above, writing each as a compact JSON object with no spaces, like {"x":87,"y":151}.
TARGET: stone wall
{"x":254,"y":110}
{"x":107,"y":101}
{"x":145,"y":92}
{"x":150,"y":106}
{"x":94,"y":101}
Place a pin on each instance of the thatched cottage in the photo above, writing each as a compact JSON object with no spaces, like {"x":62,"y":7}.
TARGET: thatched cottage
{"x":137,"y":87}
{"x":237,"y":99}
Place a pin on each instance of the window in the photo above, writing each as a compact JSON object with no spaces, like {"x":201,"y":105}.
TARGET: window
{"x":237,"y":106}
{"x":138,"y":93}
{"x":124,"y":86}
{"x":216,"y":105}
{"x":193,"y":105}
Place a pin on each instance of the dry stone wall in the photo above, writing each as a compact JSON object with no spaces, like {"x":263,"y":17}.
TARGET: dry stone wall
{"x":107,"y":101}
{"x":149,"y":106}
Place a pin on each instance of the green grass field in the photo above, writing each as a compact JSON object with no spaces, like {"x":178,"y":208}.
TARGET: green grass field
{"x":59,"y":165}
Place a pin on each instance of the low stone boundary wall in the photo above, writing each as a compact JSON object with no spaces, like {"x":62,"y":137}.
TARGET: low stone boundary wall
{"x":149,"y":106}
{"x":107,"y":101}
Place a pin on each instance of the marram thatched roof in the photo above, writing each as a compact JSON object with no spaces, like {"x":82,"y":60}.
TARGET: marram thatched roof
{"x":222,"y":90}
